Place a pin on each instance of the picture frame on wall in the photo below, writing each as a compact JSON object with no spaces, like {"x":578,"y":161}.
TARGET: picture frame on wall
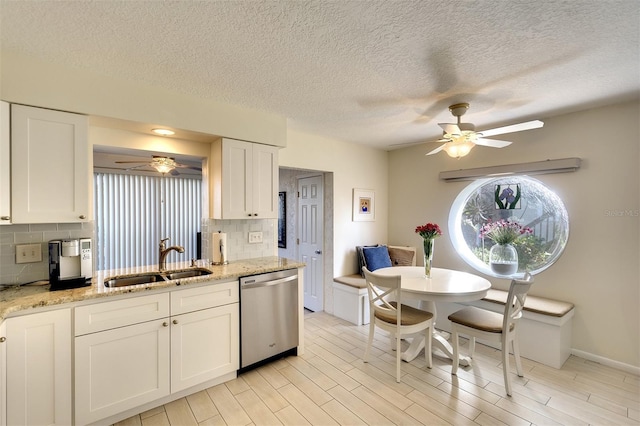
{"x":364,"y":205}
{"x":282,"y":219}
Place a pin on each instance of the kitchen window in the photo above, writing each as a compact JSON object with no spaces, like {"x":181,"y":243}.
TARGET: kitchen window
{"x":134,"y":212}
{"x":522,"y":199}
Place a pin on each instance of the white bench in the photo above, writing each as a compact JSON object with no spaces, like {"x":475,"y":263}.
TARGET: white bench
{"x":544,"y":332}
{"x":350,"y":299}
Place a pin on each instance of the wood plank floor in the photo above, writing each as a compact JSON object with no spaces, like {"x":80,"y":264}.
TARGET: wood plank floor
{"x":330,"y":385}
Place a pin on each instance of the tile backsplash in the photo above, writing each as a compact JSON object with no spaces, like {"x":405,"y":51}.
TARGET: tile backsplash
{"x":238,"y":246}
{"x":12,"y":235}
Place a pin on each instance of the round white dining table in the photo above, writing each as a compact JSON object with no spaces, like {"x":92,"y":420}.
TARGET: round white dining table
{"x":444,"y":285}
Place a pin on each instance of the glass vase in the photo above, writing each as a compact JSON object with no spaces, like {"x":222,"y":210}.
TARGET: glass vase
{"x":503,"y":259}
{"x":428,"y":255}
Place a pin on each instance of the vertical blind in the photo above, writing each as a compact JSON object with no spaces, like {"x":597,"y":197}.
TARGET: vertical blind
{"x":133,"y":213}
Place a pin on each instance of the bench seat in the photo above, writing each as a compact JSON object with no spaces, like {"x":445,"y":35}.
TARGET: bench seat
{"x":350,"y":299}
{"x":544,"y":332}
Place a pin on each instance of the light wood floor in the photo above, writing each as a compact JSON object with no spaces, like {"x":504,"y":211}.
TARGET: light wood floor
{"x":330,"y":385}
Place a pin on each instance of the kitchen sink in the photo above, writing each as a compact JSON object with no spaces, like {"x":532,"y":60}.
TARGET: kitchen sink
{"x":142,"y":278}
{"x":152,"y":277}
{"x":186,"y":273}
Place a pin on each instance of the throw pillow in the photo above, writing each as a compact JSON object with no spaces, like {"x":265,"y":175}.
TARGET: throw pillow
{"x":360,"y":256}
{"x":376,"y":257}
{"x":401,"y":257}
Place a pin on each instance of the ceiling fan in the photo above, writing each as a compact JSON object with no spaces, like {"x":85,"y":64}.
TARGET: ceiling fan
{"x":162,"y":165}
{"x":459,"y":138}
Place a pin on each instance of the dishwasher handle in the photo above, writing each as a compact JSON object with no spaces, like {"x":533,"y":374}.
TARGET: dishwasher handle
{"x":254,"y":284}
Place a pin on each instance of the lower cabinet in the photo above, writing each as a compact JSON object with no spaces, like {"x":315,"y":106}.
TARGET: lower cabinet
{"x":121,"y":368}
{"x":38,"y":368}
{"x":204,"y":345}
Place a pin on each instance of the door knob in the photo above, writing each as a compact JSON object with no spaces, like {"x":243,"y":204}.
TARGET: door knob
{"x":318,"y":251}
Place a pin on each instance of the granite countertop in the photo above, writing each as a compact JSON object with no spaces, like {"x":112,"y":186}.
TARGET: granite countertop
{"x":37,"y":295}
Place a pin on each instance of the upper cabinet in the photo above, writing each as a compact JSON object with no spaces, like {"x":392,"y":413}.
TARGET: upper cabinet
{"x":50,"y":167}
{"x":244,"y":180}
{"x":5,"y":163}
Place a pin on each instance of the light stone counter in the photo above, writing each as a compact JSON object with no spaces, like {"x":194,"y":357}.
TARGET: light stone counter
{"x":37,"y":295}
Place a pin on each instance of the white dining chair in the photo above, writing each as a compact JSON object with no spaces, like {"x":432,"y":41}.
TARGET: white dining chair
{"x":492,"y":326}
{"x":387,"y":312}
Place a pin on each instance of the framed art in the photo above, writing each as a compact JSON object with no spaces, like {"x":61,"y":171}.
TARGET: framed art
{"x":364,"y":205}
{"x":282,"y":219}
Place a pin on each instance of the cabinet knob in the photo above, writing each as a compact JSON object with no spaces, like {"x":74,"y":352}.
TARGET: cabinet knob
{"x":5,"y":217}
{"x":255,"y":214}
{"x":165,"y":324}
{"x":82,"y":216}
{"x":175,"y":321}
{"x":3,"y":339}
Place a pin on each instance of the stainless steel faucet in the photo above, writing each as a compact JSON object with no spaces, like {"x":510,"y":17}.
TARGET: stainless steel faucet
{"x":163,"y":252}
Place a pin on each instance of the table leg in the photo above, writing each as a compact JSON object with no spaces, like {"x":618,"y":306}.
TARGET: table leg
{"x":439,"y":341}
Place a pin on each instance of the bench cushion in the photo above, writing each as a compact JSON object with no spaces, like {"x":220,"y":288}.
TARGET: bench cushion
{"x":354,"y":280}
{"x":539,"y":305}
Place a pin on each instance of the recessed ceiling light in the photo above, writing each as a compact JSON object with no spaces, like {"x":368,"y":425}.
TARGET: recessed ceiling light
{"x":163,"y":132}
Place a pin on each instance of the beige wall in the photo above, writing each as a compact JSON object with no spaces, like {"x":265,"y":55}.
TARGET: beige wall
{"x":353,"y":166}
{"x":599,"y":269}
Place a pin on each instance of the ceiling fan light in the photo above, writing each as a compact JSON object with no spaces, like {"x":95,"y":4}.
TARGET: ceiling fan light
{"x":163,"y":164}
{"x":163,"y":132}
{"x":459,"y":148}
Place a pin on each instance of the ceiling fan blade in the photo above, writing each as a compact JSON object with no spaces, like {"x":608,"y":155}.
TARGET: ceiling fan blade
{"x":124,"y":162}
{"x":437,"y":150}
{"x":493,"y":143}
{"x":528,"y":125}
{"x":184,"y":166}
{"x":450,"y":128}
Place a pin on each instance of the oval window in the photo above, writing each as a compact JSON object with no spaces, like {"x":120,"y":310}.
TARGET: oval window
{"x":514,"y":199}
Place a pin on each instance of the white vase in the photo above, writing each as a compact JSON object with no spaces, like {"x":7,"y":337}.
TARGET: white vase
{"x":503,"y":259}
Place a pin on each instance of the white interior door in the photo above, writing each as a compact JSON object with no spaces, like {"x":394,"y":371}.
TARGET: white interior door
{"x":310,"y":237}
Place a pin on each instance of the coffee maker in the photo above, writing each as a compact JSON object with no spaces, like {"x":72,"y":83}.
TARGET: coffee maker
{"x":70,"y":263}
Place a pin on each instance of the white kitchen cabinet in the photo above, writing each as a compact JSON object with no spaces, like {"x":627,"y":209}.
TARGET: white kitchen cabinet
{"x":121,"y":355}
{"x":244,"y":180}
{"x":49,"y":166}
{"x":135,"y":351}
{"x":38,"y":373}
{"x":204,"y":342}
{"x":5,"y":164}
{"x":120,"y":369}
{"x":3,"y":374}
{"x":204,"y":345}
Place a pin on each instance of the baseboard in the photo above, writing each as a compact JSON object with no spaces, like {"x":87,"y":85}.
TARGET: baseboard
{"x":628,"y":368}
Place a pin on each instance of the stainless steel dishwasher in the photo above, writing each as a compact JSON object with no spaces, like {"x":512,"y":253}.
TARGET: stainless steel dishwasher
{"x":268,"y":316}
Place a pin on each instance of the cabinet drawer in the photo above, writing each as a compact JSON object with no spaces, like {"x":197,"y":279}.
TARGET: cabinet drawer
{"x":120,"y":313}
{"x":208,"y":296}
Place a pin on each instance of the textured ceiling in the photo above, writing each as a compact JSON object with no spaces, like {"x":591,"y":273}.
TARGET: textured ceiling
{"x":371,"y":72}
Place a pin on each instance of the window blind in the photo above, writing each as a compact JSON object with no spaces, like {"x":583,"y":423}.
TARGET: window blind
{"x":133,"y":213}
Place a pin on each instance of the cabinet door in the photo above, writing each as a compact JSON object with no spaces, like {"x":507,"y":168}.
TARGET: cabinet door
{"x":120,"y":369}
{"x":3,"y":374}
{"x":50,"y":171}
{"x":237,"y":179}
{"x":265,"y":182}
{"x":204,"y":345}
{"x":5,"y":161}
{"x":39,"y":375}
